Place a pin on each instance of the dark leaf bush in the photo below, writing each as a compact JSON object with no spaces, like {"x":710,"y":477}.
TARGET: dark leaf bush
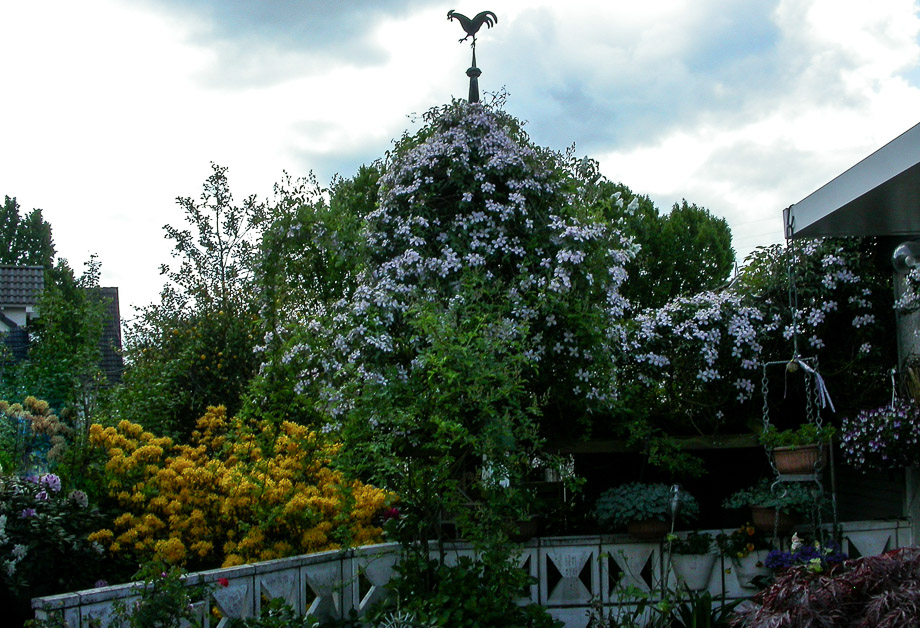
{"x":876,"y":591}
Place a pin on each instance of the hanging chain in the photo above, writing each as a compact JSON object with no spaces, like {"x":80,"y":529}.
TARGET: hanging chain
{"x":765,"y":389}
{"x":793,"y":290}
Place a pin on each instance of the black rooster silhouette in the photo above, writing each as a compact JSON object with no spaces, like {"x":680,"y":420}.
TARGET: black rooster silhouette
{"x":471,"y":27}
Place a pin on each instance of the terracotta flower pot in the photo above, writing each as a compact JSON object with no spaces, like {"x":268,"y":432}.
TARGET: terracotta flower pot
{"x":648,"y":529}
{"x":523,"y":530}
{"x":766,"y":519}
{"x":799,"y":460}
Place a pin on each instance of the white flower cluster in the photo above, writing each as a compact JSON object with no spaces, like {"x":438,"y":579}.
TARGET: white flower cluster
{"x":16,"y":553}
{"x":909,"y":300}
{"x":474,"y":201}
{"x":698,"y":340}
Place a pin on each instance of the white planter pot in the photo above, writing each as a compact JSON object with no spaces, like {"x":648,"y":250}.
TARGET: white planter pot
{"x":694,"y":570}
{"x":750,"y":567}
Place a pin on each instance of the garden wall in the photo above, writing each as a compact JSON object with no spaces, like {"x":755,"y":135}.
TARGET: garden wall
{"x":569,"y":573}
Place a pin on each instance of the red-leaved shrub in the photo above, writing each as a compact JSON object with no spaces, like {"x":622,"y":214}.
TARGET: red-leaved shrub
{"x":871,"y":592}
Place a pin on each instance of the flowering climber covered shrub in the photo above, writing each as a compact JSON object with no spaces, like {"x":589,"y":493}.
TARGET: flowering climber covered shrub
{"x":700,"y":354}
{"x":697,"y":362}
{"x":238,"y":492}
{"x":467,"y":211}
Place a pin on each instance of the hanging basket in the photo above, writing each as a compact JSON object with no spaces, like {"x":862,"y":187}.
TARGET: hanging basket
{"x":768,"y":520}
{"x":647,"y":529}
{"x":798,"y":460}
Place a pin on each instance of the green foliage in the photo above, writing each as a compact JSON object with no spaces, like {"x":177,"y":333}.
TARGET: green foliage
{"x":309,"y":259}
{"x":805,"y":434}
{"x":424,"y":436}
{"x":63,"y":359}
{"x":195,"y":348}
{"x":698,"y":253}
{"x":634,"y":609}
{"x":741,"y":542}
{"x":660,"y":448}
{"x":693,"y":543}
{"x":481,"y":299}
{"x":788,"y":497}
{"x":64,"y":352}
{"x":43,"y":546}
{"x":701,"y":610}
{"x":276,"y":614}
{"x":165,"y":601}
{"x":24,"y":240}
{"x":637,"y":501}
{"x":470,"y":593}
{"x":680,"y":253}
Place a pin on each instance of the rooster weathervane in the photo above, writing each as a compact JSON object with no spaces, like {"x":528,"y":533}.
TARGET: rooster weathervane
{"x":471,"y":27}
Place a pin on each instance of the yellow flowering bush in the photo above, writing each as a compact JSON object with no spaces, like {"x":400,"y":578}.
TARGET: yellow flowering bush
{"x":239,"y":492}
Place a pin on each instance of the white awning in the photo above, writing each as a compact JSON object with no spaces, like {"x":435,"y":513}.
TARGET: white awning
{"x":878,"y":196}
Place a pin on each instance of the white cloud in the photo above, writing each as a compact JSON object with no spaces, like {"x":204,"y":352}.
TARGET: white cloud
{"x":112,"y":109}
{"x":841,"y":99}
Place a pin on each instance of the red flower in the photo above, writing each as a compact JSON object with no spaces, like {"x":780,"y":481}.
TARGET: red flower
{"x":390,"y":513}
{"x":223,"y":582}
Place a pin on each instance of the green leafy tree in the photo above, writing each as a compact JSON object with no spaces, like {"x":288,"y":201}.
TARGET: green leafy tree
{"x":24,"y":240}
{"x":310,"y":259}
{"x":195,"y":348}
{"x":696,"y":250}
{"x":63,"y":364}
{"x":680,"y":253}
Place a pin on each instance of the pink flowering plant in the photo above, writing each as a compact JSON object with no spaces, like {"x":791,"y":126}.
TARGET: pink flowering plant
{"x":882,"y":438}
{"x":43,"y":530}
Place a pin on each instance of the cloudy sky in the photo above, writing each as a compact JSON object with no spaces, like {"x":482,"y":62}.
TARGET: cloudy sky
{"x":112,"y":109}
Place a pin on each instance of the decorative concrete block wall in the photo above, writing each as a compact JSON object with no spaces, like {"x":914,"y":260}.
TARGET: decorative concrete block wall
{"x":569,"y":573}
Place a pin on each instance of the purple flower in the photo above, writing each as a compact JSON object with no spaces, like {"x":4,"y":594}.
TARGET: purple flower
{"x":51,"y":481}
{"x":42,"y":495}
{"x":79,"y":498}
{"x":27,"y":513}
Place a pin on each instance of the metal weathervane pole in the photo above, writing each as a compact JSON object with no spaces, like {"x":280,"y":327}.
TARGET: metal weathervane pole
{"x":471,"y":27}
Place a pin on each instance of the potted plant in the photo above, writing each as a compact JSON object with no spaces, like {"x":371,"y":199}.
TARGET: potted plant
{"x":882,"y":438}
{"x":643,"y":509}
{"x":774,"y":507}
{"x":692,"y":558}
{"x":816,"y":556}
{"x":747,"y":549}
{"x":799,"y":451}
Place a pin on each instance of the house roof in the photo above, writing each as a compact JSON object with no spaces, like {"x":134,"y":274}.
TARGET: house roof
{"x":21,"y":285}
{"x":111,"y":361}
{"x":879,"y":196}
